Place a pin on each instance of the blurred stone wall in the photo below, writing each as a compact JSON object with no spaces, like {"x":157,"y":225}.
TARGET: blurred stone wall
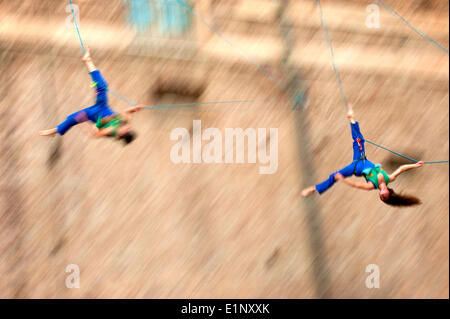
{"x":140,"y":226}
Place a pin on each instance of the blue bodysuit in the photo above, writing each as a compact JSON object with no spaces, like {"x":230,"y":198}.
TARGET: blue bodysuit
{"x":99,"y":110}
{"x":359,"y":164}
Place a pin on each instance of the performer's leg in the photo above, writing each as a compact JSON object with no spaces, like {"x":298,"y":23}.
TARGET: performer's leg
{"x":98,"y":111}
{"x":72,"y":120}
{"x":358,"y":142}
{"x":100,"y":108}
{"x":356,"y":132}
{"x":328,"y":183}
{"x":101,"y":88}
{"x":358,"y":138}
{"x":97,"y":78}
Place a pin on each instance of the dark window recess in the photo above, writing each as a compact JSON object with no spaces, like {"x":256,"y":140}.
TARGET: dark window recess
{"x":183,"y":89}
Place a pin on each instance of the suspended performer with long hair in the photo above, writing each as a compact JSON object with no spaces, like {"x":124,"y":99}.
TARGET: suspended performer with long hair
{"x":376,"y":177}
{"x":107,"y":122}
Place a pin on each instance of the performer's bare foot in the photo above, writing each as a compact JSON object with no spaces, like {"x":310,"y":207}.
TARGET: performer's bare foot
{"x":351,"y":114}
{"x":50,"y":132}
{"x":87,"y":56}
{"x":308,"y":191}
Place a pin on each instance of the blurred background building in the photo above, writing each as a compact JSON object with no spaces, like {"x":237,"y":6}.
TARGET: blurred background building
{"x":140,"y":226}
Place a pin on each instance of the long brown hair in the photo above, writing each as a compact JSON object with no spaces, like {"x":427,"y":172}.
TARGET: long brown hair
{"x":128,"y":137}
{"x":401,"y":200}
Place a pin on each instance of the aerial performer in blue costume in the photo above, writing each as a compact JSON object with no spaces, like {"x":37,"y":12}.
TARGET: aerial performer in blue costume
{"x":107,"y":122}
{"x":376,"y":177}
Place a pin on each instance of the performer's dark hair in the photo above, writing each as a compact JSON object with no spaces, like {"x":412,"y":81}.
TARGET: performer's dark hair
{"x":401,"y":200}
{"x":128,"y":137}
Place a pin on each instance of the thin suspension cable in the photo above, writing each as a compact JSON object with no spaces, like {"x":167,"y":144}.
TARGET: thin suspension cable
{"x":132,"y":103}
{"x":404,"y":156}
{"x":241,"y":52}
{"x":207,"y":103}
{"x":84,"y":52}
{"x":411,"y":26}
{"x":344,"y":99}
{"x":76,"y":26}
{"x":181,"y":2}
{"x":333,"y":60}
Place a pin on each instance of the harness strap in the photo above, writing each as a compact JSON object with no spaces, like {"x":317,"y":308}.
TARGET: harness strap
{"x":358,"y":140}
{"x":363,"y":155}
{"x":362,"y":158}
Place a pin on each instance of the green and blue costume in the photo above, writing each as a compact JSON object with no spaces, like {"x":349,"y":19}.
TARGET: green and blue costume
{"x":360,"y":166}
{"x":93,"y":113}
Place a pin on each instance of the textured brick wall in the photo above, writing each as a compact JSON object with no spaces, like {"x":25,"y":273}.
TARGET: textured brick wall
{"x":139,"y":225}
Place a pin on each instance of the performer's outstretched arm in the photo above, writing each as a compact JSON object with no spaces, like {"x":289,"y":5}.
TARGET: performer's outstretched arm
{"x":364,"y":186}
{"x":403,"y":169}
{"x":102,"y":132}
{"x":134,"y":109}
{"x":129,"y":111}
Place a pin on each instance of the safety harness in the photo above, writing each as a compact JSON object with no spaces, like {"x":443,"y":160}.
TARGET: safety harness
{"x":363,"y":155}
{"x":370,"y":174}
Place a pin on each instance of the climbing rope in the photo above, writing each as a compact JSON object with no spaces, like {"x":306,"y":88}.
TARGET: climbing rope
{"x":410,"y":25}
{"x":338,"y":76}
{"x":401,"y":155}
{"x":336,"y":69}
{"x":241,"y":52}
{"x":132,"y":103}
{"x":76,"y":26}
{"x":206,"y":103}
{"x":84,"y":52}
{"x":333,"y":61}
{"x":327,"y":35}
